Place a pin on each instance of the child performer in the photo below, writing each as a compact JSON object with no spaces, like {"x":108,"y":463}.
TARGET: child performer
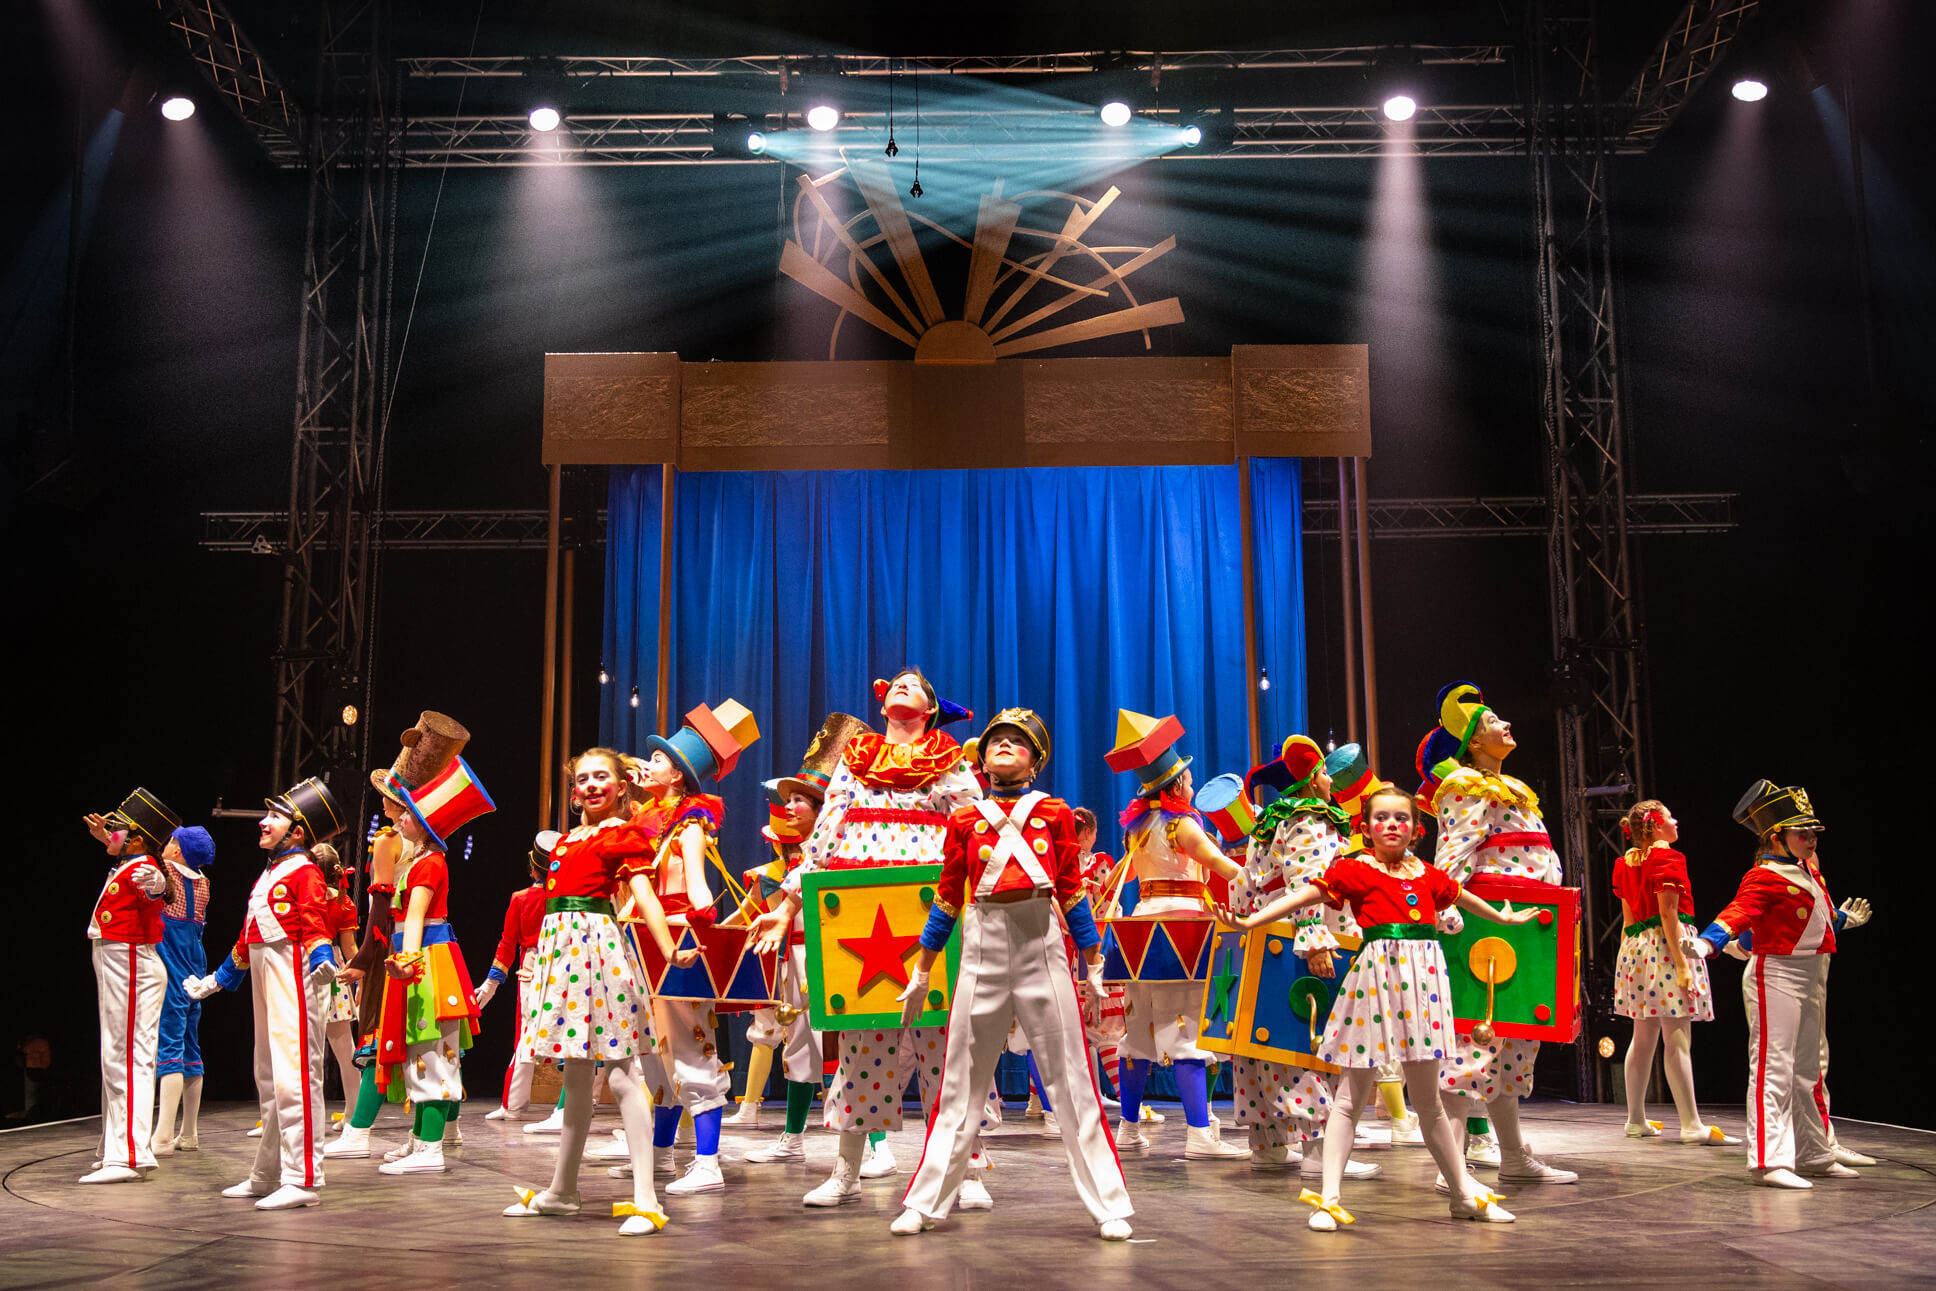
{"x":339,"y":1032}
{"x":888,"y":803}
{"x":1168,"y":854}
{"x":285,"y":954}
{"x":429,"y":1015}
{"x":190,"y":851}
{"x":1783,"y":916}
{"x":1659,"y":981}
{"x":1489,"y":823}
{"x":1008,"y":863}
{"x":1393,"y":1002}
{"x":130,"y":977}
{"x":567,"y":1018}
{"x":523,"y":919}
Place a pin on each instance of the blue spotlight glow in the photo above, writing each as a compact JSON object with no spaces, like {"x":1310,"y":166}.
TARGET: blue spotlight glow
{"x":755,"y":141}
{"x":1191,"y":135}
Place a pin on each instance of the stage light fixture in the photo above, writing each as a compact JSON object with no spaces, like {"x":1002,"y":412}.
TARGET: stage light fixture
{"x":1263,"y":679}
{"x":635,"y":696}
{"x":544,"y":119}
{"x":756,"y":141}
{"x":1115,"y":113}
{"x":823,"y":116}
{"x":177,"y":107}
{"x":604,"y":678}
{"x":1192,"y":135}
{"x":349,"y":714}
{"x":1400,"y":107}
{"x":1750,"y":90}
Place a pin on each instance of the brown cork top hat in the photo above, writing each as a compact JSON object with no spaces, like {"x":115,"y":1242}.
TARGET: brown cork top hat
{"x":428,"y":748}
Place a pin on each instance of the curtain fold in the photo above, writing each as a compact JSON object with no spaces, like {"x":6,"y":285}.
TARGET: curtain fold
{"x":1070,"y":591}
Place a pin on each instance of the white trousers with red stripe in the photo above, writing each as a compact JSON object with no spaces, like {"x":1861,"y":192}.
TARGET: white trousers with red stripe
{"x":1785,"y":997}
{"x":1015,"y":970}
{"x":131,"y":980}
{"x":290,"y":1013}
{"x":800,"y":1059}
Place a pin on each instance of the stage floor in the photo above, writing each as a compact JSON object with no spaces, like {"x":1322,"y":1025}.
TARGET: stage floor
{"x":1652,"y":1213}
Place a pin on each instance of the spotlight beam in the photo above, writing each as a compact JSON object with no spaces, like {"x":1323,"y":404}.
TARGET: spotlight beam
{"x":1095,"y":287}
{"x":1072,"y":230}
{"x":994,"y":226}
{"x":842,"y":230}
{"x":884,"y":201}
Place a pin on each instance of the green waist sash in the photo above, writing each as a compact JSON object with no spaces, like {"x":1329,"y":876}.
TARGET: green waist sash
{"x":1401,"y":932}
{"x":1654,"y":922}
{"x":579,"y":905}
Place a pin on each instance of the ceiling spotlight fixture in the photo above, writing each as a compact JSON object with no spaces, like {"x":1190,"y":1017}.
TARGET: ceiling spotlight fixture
{"x":823,"y":116}
{"x":1192,"y":135}
{"x":1400,"y":107}
{"x":914,"y":190}
{"x":177,"y":107}
{"x":1115,"y":113}
{"x":756,"y":142}
{"x":544,"y":119}
{"x":1750,"y":90}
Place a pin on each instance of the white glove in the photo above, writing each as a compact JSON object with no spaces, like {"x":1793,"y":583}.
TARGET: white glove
{"x":324,"y":973}
{"x":1092,"y":998}
{"x":1734,"y":948}
{"x":200,"y":988}
{"x":914,"y":999}
{"x":1858,"y":911}
{"x":485,"y":992}
{"x":1698,"y":946}
{"x":149,"y":880}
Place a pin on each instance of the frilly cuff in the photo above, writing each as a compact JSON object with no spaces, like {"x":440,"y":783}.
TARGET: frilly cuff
{"x":1312,"y":936}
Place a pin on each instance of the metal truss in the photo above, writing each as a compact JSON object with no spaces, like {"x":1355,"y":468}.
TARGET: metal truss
{"x":1031,"y":65}
{"x":260,"y":532}
{"x":236,"y":70}
{"x":1694,"y":43}
{"x":329,"y":556}
{"x":1598,"y":669}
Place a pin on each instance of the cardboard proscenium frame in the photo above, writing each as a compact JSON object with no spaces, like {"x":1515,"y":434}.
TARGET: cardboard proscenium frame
{"x":1259,"y":1023}
{"x":851,"y":904}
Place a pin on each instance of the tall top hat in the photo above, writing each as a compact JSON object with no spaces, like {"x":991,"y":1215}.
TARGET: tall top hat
{"x":709,"y":744}
{"x":1147,"y":746}
{"x":822,"y":757}
{"x":1026,"y":720}
{"x":310,"y":805}
{"x":453,"y":799}
{"x":1351,"y":776}
{"x":945,"y":710}
{"x":1224,"y":803}
{"x":142,"y":813}
{"x":1767,"y":807}
{"x":1461,"y":705}
{"x":428,"y":748}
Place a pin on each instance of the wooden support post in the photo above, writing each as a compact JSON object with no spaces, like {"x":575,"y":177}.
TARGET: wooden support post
{"x":546,"y":771}
{"x":1347,"y":609}
{"x":1364,"y":612}
{"x":1248,"y":569}
{"x":668,"y":479}
{"x":568,"y":612}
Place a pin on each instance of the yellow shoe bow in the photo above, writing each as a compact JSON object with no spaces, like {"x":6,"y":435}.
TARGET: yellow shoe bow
{"x":1332,"y":1208}
{"x":525,"y":1195}
{"x":626,"y":1210}
{"x":1487,"y":1198}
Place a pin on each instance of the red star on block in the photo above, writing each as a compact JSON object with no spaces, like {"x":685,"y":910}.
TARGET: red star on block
{"x":882,"y":954}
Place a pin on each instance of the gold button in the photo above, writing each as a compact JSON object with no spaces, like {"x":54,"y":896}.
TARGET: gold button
{"x":1414,"y":915}
{"x":981,"y":827}
{"x":986,"y":851}
{"x":1041,"y":847}
{"x":1035,"y":822}
{"x":113,"y":888}
{"x":1794,"y":891}
{"x":1801,"y":912}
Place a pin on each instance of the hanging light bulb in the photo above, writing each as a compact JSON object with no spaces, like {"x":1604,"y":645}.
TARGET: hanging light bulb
{"x":604,"y":678}
{"x":635,"y":696}
{"x":1263,"y":679}
{"x":1330,"y":741}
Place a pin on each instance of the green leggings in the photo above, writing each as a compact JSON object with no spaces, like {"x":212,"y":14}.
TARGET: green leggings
{"x":430,"y":1117}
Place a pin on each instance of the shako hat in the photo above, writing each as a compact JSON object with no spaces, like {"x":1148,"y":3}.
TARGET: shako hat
{"x":144,"y":814}
{"x":310,"y":805}
{"x":1029,"y":723}
{"x":1767,"y":807}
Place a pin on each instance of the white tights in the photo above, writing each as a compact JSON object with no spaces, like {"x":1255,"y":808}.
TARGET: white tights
{"x":343,"y":1046}
{"x":1357,"y":1090}
{"x":634,"y":1109}
{"x":1676,"y":1059}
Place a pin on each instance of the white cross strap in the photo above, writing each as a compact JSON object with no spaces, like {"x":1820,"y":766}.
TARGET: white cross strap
{"x":1010,"y":845}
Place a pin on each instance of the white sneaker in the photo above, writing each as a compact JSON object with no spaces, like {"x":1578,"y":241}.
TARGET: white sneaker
{"x":1113,"y":1230}
{"x":1527,"y":1168}
{"x":499,"y":1113}
{"x":1204,"y":1145}
{"x":746,"y":1116}
{"x":701,"y":1176}
{"x":1482,"y":1149}
{"x":1849,"y":1156}
{"x":1271,"y":1155}
{"x":453,"y":1135}
{"x":841,"y":1187}
{"x":1362,"y":1170}
{"x":910,"y":1223}
{"x":1407,"y":1133}
{"x":128,"y":1174}
{"x":1129,"y":1138}
{"x":288,"y":1197}
{"x":1832,"y":1170}
{"x":1780,"y":1178}
{"x":974,"y":1196}
{"x":1111,"y":1106}
{"x":879,"y":1163}
{"x":398,"y":1154}
{"x":787,"y":1148}
{"x":552,"y":1124}
{"x":351,"y":1144}
{"x":624,"y":1171}
{"x":1033,"y":1112}
{"x":541,"y":1203}
{"x":247,"y":1188}
{"x":427,"y":1159}
{"x":1711,"y":1136}
{"x":1050,"y":1125}
{"x":1313,"y":1168}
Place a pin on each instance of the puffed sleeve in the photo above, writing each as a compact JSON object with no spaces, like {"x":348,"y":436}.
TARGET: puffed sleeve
{"x":1343,"y":881}
{"x":1444,"y":889}
{"x":1463,"y":826}
{"x":1665,"y":868}
{"x":627,"y":851}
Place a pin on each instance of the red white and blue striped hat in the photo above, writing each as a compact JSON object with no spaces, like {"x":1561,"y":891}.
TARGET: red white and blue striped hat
{"x":452,"y":799}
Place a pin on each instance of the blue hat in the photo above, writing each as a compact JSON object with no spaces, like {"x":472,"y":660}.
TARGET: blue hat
{"x":197,"y":848}
{"x":709,"y":744}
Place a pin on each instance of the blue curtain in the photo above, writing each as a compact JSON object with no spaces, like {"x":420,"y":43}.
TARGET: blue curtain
{"x":1070,"y":591}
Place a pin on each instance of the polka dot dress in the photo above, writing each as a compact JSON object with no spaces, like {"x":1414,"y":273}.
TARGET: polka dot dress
{"x":1489,"y":1071}
{"x":584,"y":1000}
{"x":873,"y":1076}
{"x":1395,"y":1005}
{"x":1645,"y":985}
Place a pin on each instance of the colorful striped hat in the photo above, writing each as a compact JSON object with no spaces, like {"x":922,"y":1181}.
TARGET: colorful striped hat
{"x":453,"y":799}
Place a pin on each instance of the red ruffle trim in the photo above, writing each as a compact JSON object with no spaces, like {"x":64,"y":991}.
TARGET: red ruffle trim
{"x":873,"y":761}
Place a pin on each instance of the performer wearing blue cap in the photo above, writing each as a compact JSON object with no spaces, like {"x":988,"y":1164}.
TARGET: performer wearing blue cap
{"x":190,"y":852}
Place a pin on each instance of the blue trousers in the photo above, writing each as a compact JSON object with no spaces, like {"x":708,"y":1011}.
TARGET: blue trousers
{"x":180,"y":1053}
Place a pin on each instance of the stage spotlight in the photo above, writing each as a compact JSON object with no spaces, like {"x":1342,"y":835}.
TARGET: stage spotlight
{"x":177,"y":107}
{"x":544,"y":119}
{"x":756,"y":141}
{"x":1192,"y":135}
{"x":1400,"y":107}
{"x":1750,"y":90}
{"x":823,"y":116}
{"x":1115,"y":113}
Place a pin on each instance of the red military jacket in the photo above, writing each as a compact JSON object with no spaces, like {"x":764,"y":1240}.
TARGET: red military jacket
{"x":126,"y":912}
{"x":1788,"y":907}
{"x":289,"y":904}
{"x":1047,"y":835}
{"x":523,"y":919}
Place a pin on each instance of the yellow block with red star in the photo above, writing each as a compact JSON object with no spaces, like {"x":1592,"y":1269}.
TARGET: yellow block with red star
{"x":863,"y":929}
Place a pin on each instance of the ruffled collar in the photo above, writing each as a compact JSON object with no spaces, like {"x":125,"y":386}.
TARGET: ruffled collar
{"x":1146,"y":813}
{"x":876,"y":763}
{"x":1282,"y":809}
{"x":1493,"y":786}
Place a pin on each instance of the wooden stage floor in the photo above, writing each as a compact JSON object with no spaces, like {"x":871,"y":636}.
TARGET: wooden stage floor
{"x":1652,"y":1214}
